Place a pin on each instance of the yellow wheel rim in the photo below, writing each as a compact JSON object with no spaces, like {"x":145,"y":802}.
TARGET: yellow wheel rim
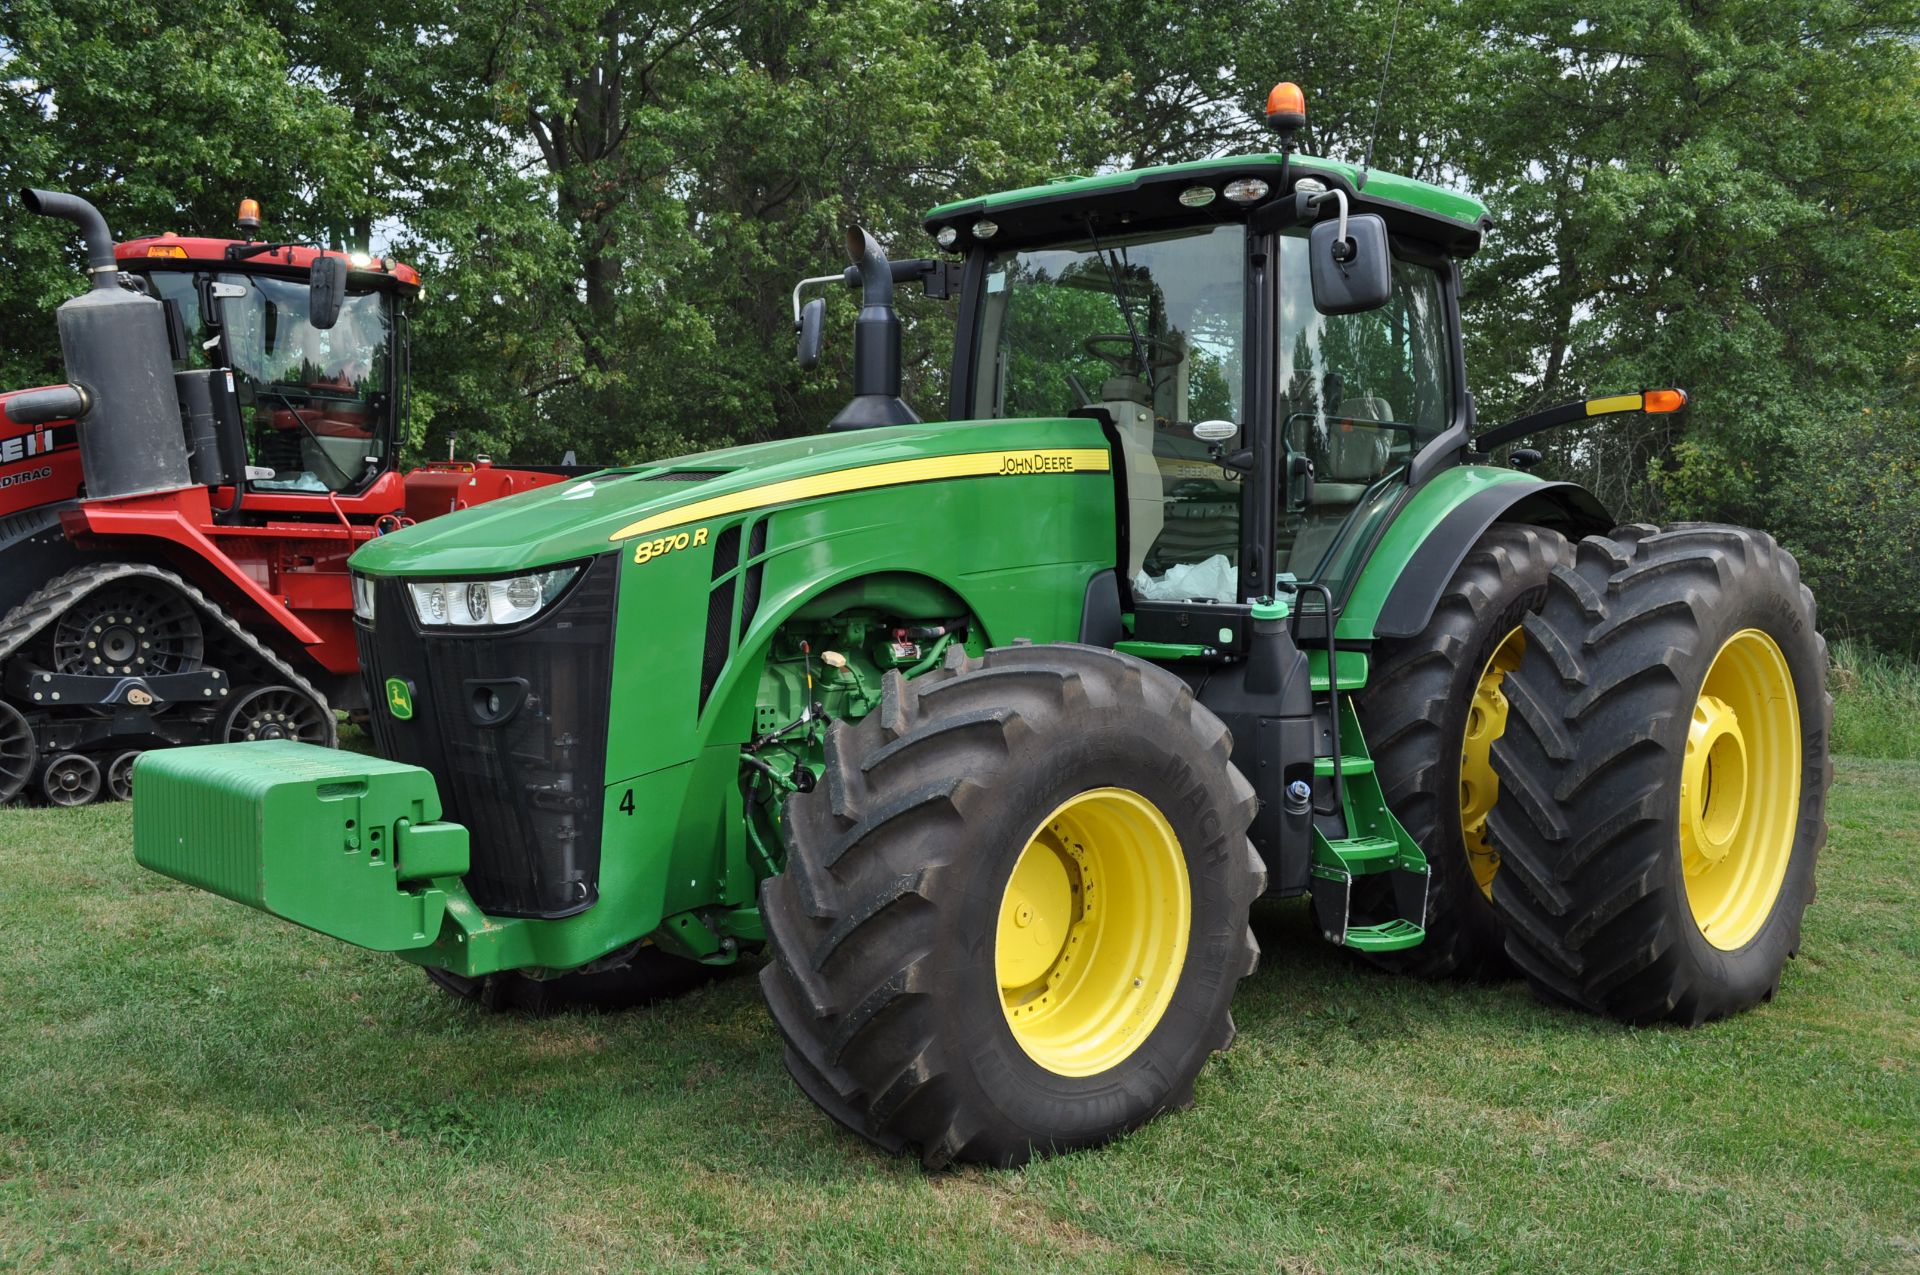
{"x":1740,"y":789}
{"x":1092,"y":933}
{"x":1479,"y":784}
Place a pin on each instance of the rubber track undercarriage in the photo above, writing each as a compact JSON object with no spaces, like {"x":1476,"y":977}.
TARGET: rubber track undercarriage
{"x":115,"y":657}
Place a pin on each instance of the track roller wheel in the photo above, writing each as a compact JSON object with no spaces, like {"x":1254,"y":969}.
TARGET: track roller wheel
{"x":120,"y":775}
{"x":70,"y":779}
{"x":129,"y":628}
{"x":1014,"y":914}
{"x":651,"y":976}
{"x":1664,"y":775}
{"x":277,"y":712}
{"x":18,"y":753}
{"x":1431,"y":711}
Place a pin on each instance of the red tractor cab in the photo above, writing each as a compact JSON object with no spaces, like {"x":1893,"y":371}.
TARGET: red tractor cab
{"x":175,"y":520}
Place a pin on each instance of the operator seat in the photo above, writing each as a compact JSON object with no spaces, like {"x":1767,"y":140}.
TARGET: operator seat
{"x":1348,"y":458}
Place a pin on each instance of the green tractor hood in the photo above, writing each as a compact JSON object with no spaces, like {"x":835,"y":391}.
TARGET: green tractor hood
{"x":574,"y":520}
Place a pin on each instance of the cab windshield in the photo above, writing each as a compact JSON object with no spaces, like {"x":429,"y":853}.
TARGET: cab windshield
{"x":314,"y":403}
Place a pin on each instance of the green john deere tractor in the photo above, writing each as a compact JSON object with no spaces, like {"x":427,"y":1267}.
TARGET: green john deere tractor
{"x":990,"y":731}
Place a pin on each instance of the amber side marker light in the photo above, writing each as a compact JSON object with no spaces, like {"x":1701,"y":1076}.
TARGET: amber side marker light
{"x":1667,"y":400}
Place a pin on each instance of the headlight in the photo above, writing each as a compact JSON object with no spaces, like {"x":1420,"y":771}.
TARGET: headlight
{"x":363,"y":597}
{"x":469,"y":604}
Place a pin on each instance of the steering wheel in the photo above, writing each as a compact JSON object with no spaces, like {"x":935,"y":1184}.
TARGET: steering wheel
{"x":1161,"y":352}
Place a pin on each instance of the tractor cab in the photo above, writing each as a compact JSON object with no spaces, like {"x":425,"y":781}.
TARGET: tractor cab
{"x":318,"y":388}
{"x":1154,"y":329}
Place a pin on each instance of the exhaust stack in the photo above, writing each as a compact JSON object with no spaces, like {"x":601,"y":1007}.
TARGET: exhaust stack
{"x":120,"y":363}
{"x":876,"y":343}
{"x":101,"y":267}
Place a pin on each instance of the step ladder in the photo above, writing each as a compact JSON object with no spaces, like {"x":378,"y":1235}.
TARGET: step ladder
{"x":1369,"y":840}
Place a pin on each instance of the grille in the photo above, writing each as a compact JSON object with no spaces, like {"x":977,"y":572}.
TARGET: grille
{"x":713,"y":657}
{"x":750,"y":591}
{"x":529,"y":788}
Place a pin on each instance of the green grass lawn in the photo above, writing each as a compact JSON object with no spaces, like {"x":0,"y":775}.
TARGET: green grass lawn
{"x":185,"y":1083}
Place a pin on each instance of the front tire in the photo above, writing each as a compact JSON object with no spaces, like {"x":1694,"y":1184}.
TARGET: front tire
{"x":1014,"y":915}
{"x":1664,"y":775}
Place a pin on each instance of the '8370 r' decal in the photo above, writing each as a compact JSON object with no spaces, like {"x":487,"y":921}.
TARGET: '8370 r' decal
{"x":648,"y":550}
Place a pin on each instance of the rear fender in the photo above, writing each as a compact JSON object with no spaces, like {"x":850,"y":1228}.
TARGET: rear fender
{"x":1430,"y":537}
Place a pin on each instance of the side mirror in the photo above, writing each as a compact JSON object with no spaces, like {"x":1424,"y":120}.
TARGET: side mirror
{"x":327,"y":291}
{"x":813,"y":317}
{"x":1353,"y":273}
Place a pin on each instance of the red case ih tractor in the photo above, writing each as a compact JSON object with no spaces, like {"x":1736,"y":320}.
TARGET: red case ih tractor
{"x":175,"y":521}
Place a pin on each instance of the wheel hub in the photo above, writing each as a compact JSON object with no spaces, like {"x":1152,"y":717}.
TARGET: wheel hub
{"x":1038,"y":912}
{"x":1479,"y":782}
{"x":117,"y":641}
{"x":270,"y":725}
{"x":1092,"y":931}
{"x":1714,"y":775}
{"x":1740,"y":789}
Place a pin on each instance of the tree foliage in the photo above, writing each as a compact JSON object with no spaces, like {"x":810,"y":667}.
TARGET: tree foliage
{"x":611,"y":202}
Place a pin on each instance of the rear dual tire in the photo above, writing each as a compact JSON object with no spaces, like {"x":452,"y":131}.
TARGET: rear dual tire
{"x":1664,"y":775}
{"x":1014,"y":914}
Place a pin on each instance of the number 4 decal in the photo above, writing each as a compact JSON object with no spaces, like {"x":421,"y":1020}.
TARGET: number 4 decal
{"x":626,"y":802}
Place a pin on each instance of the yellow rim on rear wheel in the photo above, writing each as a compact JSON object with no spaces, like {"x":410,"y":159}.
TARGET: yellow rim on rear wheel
{"x":1479,"y":784}
{"x":1092,"y":932}
{"x":1740,"y":789}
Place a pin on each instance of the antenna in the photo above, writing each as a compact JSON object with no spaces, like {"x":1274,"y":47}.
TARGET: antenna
{"x":1380,"y":98}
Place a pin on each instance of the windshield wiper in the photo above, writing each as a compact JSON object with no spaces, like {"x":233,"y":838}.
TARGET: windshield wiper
{"x":1126,"y":311}
{"x":319,"y":448}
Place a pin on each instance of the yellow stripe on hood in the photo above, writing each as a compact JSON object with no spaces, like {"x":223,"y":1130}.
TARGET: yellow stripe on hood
{"x":998,"y":464}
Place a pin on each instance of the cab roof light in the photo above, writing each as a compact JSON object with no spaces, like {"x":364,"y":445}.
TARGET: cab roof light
{"x":1286,"y":108}
{"x":1246,"y":190}
{"x":248,"y":218}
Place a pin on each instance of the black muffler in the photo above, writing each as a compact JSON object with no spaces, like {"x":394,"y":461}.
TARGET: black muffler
{"x":115,"y":345}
